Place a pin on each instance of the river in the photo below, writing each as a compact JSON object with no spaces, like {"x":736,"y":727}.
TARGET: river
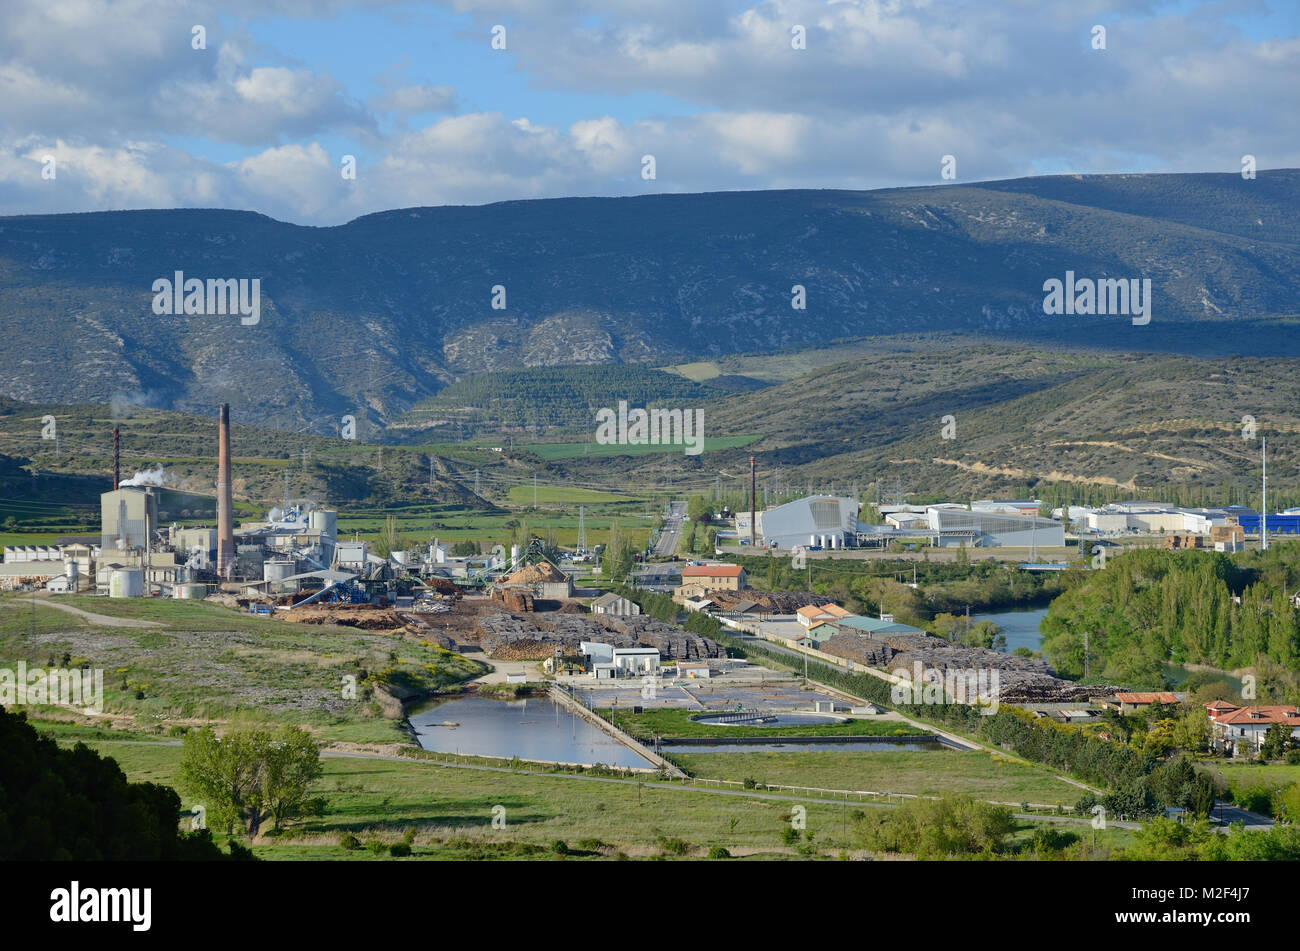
{"x":1020,"y":626}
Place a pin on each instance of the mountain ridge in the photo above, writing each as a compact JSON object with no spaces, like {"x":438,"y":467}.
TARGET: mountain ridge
{"x":370,"y":317}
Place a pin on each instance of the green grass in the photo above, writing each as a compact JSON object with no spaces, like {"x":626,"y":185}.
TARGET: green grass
{"x":42,"y":538}
{"x":552,"y":451}
{"x":209,"y":663}
{"x":489,"y":528}
{"x":378,"y":799}
{"x":678,"y":723}
{"x":523,"y":495}
{"x":1243,"y":776}
{"x":928,"y":773}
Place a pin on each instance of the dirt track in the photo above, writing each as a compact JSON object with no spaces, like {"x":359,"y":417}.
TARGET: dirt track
{"x":103,"y":620}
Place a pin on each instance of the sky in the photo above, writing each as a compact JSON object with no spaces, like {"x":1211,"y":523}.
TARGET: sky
{"x":125,"y":104}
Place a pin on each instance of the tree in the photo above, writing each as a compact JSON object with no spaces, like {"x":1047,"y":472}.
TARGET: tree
{"x":698,"y":510}
{"x":616,"y":562}
{"x":250,"y":775}
{"x":60,"y":804}
{"x":1192,"y":731}
{"x":390,"y":538}
{"x":1276,"y":741}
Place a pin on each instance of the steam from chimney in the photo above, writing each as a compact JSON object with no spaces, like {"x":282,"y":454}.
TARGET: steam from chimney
{"x":157,"y":476}
{"x":225,"y":523}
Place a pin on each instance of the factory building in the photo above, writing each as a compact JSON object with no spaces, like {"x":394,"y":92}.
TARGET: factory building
{"x":991,"y":529}
{"x":1027,"y":507}
{"x":828,"y":521}
{"x":128,"y":516}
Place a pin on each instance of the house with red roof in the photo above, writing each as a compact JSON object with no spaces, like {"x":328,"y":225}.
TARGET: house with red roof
{"x":1133,"y":702}
{"x":698,"y":580}
{"x":1243,"y":728}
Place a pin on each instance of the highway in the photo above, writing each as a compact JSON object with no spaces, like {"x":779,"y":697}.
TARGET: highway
{"x":672,"y":529}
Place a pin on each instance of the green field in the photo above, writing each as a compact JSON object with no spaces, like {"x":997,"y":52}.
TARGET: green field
{"x":551,"y":451}
{"x":205,"y":662}
{"x":928,"y":773}
{"x":450,"y":809}
{"x":380,"y":799}
{"x":489,"y":528}
{"x":523,"y":495}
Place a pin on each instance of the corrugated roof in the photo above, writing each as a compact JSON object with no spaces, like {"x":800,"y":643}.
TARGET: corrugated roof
{"x":712,"y":571}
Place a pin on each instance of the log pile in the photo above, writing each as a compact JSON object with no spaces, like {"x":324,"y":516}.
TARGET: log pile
{"x":512,"y":638}
{"x":1020,"y":679}
{"x":769,"y":602}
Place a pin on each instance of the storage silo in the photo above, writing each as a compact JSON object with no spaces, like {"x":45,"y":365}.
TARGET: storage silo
{"x":325,"y":521}
{"x":277,"y":569}
{"x":190,"y":591}
{"x":126,"y":583}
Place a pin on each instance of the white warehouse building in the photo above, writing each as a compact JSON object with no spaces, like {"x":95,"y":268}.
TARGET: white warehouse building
{"x":830,"y":521}
{"x":993,"y":529}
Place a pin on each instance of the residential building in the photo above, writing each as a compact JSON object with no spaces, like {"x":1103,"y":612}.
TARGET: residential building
{"x":701,"y":579}
{"x":1244,"y":728}
{"x":812,"y":615}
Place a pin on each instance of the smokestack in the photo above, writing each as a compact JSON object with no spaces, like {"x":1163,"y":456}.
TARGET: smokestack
{"x":225,"y":525}
{"x":753,"y":516}
{"x":117,"y":459}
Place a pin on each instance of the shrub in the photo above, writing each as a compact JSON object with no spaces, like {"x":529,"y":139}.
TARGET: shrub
{"x":399,"y":850}
{"x":350,"y":842}
{"x":674,"y":846}
{"x":560,"y":847}
{"x":718,"y":852}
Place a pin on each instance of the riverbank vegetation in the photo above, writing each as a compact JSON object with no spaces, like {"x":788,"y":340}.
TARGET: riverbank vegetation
{"x":1152,"y":607}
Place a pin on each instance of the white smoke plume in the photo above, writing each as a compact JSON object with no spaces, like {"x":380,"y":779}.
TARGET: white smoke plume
{"x":158,"y":477}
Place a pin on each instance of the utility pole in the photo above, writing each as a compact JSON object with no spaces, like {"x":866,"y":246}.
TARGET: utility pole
{"x":753,"y":516}
{"x":1263,"y":505}
{"x":582,"y":533}
{"x":476,"y":491}
{"x":534,"y":490}
{"x":1085,"y":655}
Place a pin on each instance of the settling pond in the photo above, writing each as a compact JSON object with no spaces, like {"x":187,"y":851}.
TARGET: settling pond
{"x":541,"y":730}
{"x":536,"y":729}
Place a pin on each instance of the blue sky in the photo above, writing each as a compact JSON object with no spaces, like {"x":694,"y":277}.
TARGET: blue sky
{"x":133,"y":117}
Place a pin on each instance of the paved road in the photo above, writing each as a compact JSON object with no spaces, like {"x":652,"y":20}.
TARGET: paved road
{"x":1229,"y":814}
{"x":672,"y":530}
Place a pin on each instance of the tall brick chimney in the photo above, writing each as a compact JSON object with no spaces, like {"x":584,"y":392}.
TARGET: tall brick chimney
{"x":117,"y":457}
{"x":225,"y":516}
